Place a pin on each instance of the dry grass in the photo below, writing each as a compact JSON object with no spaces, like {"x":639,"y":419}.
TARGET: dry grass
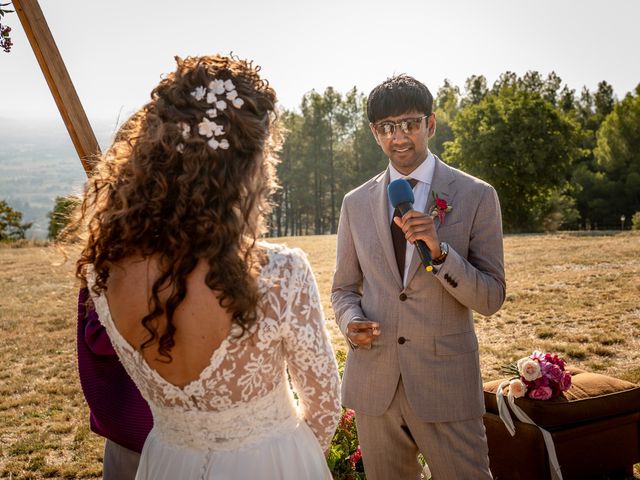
{"x":576,"y":295}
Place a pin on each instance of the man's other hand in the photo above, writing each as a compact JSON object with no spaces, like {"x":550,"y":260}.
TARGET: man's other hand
{"x":361,"y":332}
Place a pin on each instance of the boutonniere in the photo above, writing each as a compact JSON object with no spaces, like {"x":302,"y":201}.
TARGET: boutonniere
{"x":441,"y":208}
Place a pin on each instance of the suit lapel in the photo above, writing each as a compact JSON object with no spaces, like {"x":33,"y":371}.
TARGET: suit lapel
{"x":442,"y":184}
{"x":379,"y":203}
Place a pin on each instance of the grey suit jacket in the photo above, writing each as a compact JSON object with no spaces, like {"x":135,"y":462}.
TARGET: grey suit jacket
{"x":438,"y":358}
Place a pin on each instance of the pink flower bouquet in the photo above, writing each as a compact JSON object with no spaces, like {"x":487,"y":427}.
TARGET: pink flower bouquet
{"x":540,"y":376}
{"x":345,"y":456}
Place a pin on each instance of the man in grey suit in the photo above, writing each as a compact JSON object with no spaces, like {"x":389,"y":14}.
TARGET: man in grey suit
{"x":413,"y":372}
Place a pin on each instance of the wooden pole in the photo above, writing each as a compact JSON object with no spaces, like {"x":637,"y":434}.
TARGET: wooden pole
{"x":57,"y":77}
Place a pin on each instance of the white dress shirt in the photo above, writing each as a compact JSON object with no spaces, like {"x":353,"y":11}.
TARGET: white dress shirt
{"x":424,"y":175}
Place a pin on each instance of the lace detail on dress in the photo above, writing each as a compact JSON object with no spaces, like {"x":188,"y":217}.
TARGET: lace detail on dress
{"x":232,"y":429}
{"x":245,"y":371}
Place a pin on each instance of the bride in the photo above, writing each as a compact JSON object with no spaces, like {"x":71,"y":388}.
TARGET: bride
{"x":211,"y":324}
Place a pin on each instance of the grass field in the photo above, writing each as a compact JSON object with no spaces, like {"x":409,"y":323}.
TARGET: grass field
{"x":577,"y":295}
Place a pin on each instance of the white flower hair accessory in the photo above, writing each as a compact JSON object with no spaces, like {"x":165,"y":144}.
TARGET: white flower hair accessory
{"x":208,"y":128}
{"x":199,"y":93}
{"x":216,"y":94}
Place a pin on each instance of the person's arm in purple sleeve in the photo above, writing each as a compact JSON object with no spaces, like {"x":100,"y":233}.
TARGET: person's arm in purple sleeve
{"x":95,"y":335}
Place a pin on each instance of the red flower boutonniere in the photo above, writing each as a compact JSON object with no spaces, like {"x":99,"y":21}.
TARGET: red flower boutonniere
{"x":441,"y":207}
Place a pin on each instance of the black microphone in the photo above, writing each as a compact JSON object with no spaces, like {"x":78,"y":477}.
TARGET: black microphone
{"x":401,"y":197}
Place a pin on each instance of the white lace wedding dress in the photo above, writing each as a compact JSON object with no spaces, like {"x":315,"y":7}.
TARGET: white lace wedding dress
{"x":239,"y":419}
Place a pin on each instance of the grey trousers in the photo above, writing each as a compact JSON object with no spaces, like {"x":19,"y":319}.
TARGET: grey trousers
{"x":390,"y":444}
{"x":120,"y":463}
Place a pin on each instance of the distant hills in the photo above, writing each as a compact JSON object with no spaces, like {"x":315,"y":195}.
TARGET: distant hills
{"x":37,"y":163}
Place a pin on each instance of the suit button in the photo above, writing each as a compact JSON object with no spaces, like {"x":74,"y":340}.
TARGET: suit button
{"x":403,"y":297}
{"x":401,"y":340}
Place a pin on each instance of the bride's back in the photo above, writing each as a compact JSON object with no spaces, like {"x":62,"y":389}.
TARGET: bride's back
{"x":215,"y":365}
{"x":210,"y":324}
{"x":201,"y":323}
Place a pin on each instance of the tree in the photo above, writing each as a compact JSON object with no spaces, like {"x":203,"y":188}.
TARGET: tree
{"x":532,"y":82}
{"x":446,"y":106}
{"x":603,"y":101}
{"x":60,"y":216}
{"x":294,"y":200}
{"x":11,"y":226}
{"x":335,"y":116}
{"x":447,"y":98}
{"x":507,"y":80}
{"x":317,"y":130}
{"x":475,"y":89}
{"x":369,"y":159}
{"x":523,"y":146}
{"x":567,"y":100}
{"x":618,"y":154}
{"x":596,"y":185}
{"x":551,"y":87}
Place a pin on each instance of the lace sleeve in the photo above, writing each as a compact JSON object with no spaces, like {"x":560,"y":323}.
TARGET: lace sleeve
{"x":310,"y":359}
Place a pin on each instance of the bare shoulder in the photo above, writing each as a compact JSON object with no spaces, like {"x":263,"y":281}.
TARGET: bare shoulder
{"x":128,"y":288}
{"x":132,"y":271}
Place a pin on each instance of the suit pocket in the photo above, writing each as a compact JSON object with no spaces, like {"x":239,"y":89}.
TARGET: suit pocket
{"x":457,"y":343}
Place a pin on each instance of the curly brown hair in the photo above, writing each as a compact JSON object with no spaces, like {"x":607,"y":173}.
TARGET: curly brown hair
{"x":157,"y":191}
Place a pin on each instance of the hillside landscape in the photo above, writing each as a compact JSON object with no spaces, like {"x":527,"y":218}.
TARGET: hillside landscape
{"x":37,"y":164}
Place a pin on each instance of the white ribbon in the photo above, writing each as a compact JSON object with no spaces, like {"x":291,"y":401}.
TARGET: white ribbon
{"x":503,"y":411}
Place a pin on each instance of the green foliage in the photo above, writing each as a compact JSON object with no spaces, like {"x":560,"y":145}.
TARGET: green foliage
{"x":567,"y":100}
{"x":11,"y":226}
{"x":60,"y":216}
{"x":475,"y":90}
{"x":446,"y":106}
{"x":328,"y":150}
{"x":635,"y":221}
{"x":517,"y":141}
{"x":555,"y":210}
{"x":344,"y":457}
{"x":618,"y":155}
{"x":589,"y":111}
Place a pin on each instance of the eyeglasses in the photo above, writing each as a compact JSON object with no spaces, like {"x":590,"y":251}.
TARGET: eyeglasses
{"x":408,"y":126}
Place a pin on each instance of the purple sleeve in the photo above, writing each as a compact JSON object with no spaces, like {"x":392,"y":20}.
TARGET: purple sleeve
{"x":117,"y":409}
{"x":95,"y":335}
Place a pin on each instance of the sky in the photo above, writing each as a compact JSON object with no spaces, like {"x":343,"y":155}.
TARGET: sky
{"x":116,"y":51}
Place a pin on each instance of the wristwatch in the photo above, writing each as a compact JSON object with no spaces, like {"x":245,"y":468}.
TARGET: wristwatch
{"x":444,"y":249}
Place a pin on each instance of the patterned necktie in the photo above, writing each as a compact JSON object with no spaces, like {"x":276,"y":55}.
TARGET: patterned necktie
{"x":398,"y":238}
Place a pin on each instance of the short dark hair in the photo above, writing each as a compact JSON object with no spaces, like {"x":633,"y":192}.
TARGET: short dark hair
{"x":397,"y":95}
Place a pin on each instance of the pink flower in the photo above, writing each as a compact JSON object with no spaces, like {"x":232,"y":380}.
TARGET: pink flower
{"x":355,"y":458}
{"x":529,"y":369}
{"x":541,"y":381}
{"x":542,"y":376}
{"x":555,"y":360}
{"x":540,"y":393}
{"x":517,"y":388}
{"x":552,"y":371}
{"x":347,"y":419}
